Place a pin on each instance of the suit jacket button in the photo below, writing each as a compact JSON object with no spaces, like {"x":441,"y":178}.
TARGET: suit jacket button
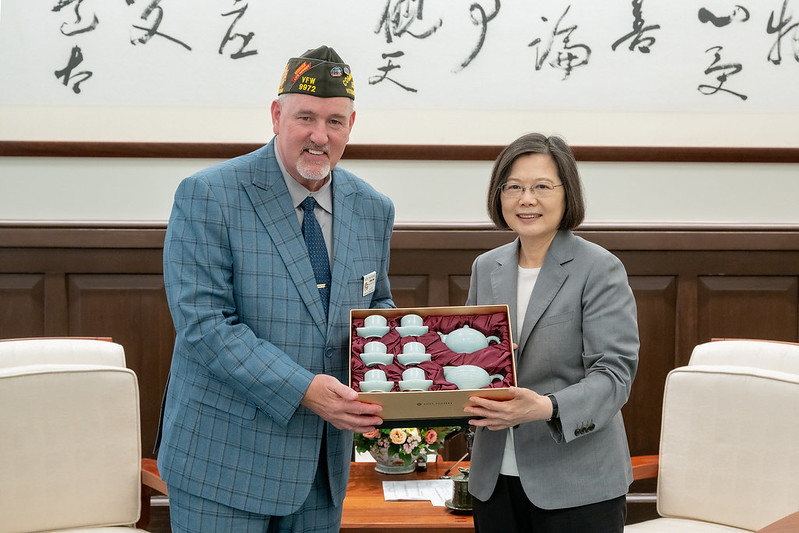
{"x":591,"y":427}
{"x":576,"y":432}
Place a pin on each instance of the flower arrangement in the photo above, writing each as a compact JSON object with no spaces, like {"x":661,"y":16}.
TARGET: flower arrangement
{"x":405,"y":443}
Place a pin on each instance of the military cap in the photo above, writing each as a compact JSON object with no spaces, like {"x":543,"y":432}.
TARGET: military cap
{"x":319,"y":72}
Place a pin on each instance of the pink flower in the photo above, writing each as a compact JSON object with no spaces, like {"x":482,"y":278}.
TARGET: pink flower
{"x":431,"y":436}
{"x":397,"y":436}
{"x":372,"y":434}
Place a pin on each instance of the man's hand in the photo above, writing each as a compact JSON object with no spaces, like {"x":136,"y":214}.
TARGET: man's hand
{"x":339,"y":405}
{"x":525,"y":406}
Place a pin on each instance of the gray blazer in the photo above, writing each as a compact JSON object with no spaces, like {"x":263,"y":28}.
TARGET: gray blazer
{"x":579,"y":341}
{"x":252,"y":332}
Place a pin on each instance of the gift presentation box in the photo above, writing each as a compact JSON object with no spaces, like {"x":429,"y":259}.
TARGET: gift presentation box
{"x":443,"y":402}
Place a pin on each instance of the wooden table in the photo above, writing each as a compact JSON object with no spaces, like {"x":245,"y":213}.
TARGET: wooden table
{"x":365,"y":509}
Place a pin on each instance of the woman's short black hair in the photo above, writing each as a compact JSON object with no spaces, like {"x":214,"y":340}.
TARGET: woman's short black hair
{"x":536,"y":143}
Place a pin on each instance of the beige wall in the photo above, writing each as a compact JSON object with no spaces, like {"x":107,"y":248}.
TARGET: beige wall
{"x":141,"y":190}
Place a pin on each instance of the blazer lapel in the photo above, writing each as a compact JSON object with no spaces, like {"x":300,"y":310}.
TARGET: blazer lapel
{"x":346,"y":228}
{"x":550,"y":280}
{"x":272,"y":203}
{"x":504,"y":281}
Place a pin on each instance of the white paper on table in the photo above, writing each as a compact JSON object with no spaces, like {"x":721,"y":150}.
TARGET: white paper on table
{"x":436,"y":490}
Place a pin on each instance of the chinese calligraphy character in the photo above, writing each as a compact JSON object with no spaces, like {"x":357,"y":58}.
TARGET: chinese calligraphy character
{"x":149,"y":33}
{"x":75,"y":59}
{"x":727,"y":70}
{"x":229,"y":36}
{"x":374,"y":80}
{"x":78,"y":19}
{"x":639,"y":40}
{"x":739,"y":13}
{"x":481,"y":20}
{"x":397,"y":20}
{"x":782,"y":29}
{"x":569,"y":57}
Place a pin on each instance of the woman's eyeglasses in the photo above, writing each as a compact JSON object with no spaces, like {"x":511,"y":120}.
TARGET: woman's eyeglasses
{"x":542,"y":189}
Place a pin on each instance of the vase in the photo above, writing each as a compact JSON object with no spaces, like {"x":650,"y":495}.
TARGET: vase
{"x":391,"y":463}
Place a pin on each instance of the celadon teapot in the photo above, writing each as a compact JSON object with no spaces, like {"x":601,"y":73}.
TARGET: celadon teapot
{"x":466,"y":340}
{"x":469,"y":376}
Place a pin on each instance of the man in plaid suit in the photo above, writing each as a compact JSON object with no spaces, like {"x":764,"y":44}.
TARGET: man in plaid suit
{"x":258,"y":416}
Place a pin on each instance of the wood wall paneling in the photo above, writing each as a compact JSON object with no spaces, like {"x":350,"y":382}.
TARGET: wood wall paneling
{"x":131,"y":309}
{"x":413,"y":152}
{"x":689,"y":286}
{"x":410,"y":290}
{"x":458,"y":289}
{"x":94,"y":282}
{"x":749,"y":307}
{"x":22,"y":308}
{"x":447,"y":272}
{"x":656,"y":300}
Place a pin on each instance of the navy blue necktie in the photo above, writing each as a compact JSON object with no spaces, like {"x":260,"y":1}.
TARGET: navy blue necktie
{"x":317,"y":251}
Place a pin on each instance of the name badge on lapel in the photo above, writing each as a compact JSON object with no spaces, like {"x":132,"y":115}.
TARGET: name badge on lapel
{"x":369,"y":282}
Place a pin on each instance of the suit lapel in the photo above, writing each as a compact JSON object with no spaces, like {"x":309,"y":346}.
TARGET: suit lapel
{"x":504,"y":278}
{"x":550,"y":280}
{"x":346,"y":228}
{"x":272,"y":203}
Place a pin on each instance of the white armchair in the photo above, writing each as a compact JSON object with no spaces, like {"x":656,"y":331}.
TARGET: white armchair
{"x":61,"y":350}
{"x":729,"y":447}
{"x":70,"y":452}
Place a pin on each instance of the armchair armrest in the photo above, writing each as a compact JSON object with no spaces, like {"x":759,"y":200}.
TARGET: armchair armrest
{"x":787,"y":524}
{"x":150,"y":480}
{"x":150,"y":476}
{"x":645,"y":466}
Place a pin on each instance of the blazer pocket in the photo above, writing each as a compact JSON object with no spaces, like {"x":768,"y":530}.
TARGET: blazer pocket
{"x":355,"y":296}
{"x":219,"y":396}
{"x":556,"y":319}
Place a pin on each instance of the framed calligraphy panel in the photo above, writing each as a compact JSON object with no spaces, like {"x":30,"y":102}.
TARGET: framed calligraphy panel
{"x":434,"y":72}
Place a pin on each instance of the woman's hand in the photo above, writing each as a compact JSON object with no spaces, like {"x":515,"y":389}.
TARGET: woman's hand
{"x":525,"y":406}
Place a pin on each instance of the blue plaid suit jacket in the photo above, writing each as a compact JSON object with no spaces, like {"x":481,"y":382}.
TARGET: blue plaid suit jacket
{"x":252,"y":333}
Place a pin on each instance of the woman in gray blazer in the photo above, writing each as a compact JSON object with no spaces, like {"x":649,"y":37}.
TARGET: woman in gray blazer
{"x":555,"y":457}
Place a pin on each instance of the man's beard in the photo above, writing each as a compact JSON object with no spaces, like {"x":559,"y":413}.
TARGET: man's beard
{"x":312,"y":171}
